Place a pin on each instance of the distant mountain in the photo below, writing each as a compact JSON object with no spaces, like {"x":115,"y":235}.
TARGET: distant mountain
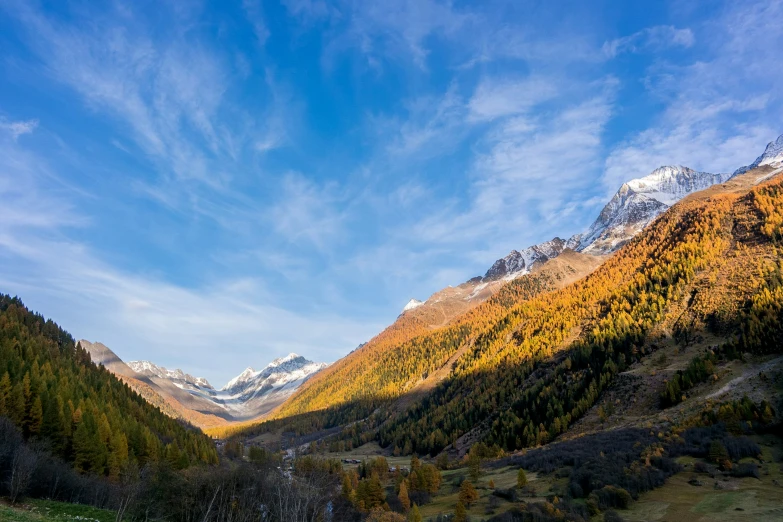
{"x":772,"y":156}
{"x":413,"y":303}
{"x":181,"y":379}
{"x":638,"y":202}
{"x":421,"y":348}
{"x":249,"y":395}
{"x":518,"y":263}
{"x":253,"y":393}
{"x":635,"y":205}
{"x":523,"y":366}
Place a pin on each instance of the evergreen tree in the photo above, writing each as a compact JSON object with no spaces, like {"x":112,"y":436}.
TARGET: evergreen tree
{"x":460,"y":513}
{"x":5,"y":395}
{"x":467,"y":493}
{"x":521,"y":478}
{"x":403,"y":495}
{"x":34,"y":417}
{"x":414,"y":515}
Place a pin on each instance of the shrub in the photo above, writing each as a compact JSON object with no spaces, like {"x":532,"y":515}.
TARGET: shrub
{"x":509,"y":494}
{"x":746,"y":470}
{"x":611,"y":497}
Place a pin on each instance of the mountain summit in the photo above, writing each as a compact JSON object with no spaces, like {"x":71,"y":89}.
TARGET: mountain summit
{"x":518,"y":263}
{"x":638,"y":202}
{"x":772,"y":156}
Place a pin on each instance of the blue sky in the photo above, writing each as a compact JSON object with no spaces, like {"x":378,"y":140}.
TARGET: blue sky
{"x":212,"y":185}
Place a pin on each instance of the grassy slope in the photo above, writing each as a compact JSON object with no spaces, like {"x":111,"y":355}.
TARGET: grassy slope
{"x":740,"y":499}
{"x":45,"y":510}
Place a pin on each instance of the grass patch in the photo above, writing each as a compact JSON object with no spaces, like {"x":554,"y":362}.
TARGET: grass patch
{"x":749,"y":499}
{"x":46,"y":510}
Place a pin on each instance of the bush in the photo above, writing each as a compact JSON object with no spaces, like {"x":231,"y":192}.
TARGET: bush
{"x":509,"y":494}
{"x":746,"y":470}
{"x":611,"y":497}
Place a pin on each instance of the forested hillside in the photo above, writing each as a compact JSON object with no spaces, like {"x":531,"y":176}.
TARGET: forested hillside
{"x":526,"y":381}
{"x":526,"y":364}
{"x":52,"y":391}
{"x":390,"y":365}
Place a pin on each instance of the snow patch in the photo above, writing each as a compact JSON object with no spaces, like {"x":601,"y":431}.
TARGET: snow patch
{"x":413,"y":303}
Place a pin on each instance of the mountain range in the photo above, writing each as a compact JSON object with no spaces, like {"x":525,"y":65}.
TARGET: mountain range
{"x":634,"y":206}
{"x":249,"y":395}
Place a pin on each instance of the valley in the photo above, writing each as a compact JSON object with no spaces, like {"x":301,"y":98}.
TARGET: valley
{"x":391,"y":261}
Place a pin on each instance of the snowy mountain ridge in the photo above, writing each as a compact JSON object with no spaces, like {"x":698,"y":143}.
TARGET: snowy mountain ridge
{"x":634,"y":206}
{"x":412,"y":304}
{"x":248,"y":395}
{"x":281,"y":370}
{"x":518,"y":263}
{"x":772,"y":156}
{"x":638,"y":202}
{"x":177,"y":376}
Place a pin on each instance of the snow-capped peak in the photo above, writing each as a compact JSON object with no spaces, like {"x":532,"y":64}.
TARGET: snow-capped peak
{"x":247,"y":374}
{"x":517,"y":263}
{"x":638,"y":202}
{"x":669,"y":184}
{"x":290,"y":365}
{"x":413,"y":303}
{"x":772,"y":156}
{"x":178,"y":376}
{"x":282,"y":360}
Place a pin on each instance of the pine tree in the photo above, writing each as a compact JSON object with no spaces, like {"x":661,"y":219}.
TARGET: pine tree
{"x":521,"y":478}
{"x":347,"y":487}
{"x":34,"y":417}
{"x":460,"y":514}
{"x":5,"y":395}
{"x":414,"y":515}
{"x":403,"y":495}
{"x":16,"y":405}
{"x":474,"y":466}
{"x":375,"y":495}
{"x":467,"y":493}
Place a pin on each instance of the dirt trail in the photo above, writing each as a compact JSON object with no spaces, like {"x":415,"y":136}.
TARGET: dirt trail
{"x":748,"y":373}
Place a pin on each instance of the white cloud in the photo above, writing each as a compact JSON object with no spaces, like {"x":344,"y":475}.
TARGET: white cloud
{"x":253,"y":10}
{"x":307,"y":213}
{"x":498,"y":98}
{"x":168,"y":92}
{"x":652,"y":38}
{"x":18,"y":128}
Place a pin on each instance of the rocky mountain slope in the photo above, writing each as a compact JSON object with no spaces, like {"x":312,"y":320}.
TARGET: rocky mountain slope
{"x":634,"y":206}
{"x":637,"y":203}
{"x":248,"y":396}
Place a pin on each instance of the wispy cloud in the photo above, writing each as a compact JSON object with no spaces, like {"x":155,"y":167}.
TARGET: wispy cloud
{"x":18,"y":128}
{"x":307,"y":212}
{"x":652,"y":39}
{"x":168,"y":91}
{"x":502,"y":97}
{"x":255,"y":16}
